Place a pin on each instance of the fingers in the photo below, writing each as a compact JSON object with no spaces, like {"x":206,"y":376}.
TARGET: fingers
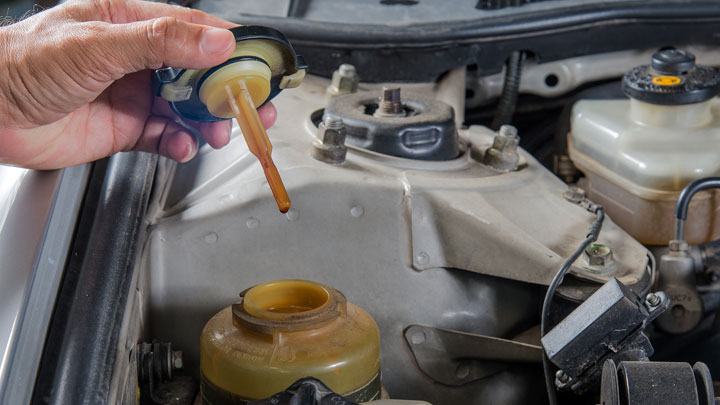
{"x":268,"y":114}
{"x":165,"y":41}
{"x":163,"y":136}
{"x":146,"y":10}
{"x":216,"y":134}
{"x":127,"y":11}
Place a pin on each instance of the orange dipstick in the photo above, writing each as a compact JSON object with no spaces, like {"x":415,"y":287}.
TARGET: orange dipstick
{"x":257,"y":140}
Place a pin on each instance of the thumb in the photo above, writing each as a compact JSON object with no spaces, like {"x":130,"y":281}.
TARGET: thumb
{"x":167,"y":41}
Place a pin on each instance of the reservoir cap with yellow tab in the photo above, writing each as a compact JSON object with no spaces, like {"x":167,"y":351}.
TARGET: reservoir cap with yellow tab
{"x":672,"y":78}
{"x":263,"y":64}
{"x":263,"y":55}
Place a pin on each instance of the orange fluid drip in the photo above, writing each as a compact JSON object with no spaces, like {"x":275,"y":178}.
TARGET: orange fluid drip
{"x":257,"y":140}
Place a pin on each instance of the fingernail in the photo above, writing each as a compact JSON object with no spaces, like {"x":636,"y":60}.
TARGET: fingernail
{"x":228,"y":134}
{"x":188,"y":152}
{"x":216,"y":40}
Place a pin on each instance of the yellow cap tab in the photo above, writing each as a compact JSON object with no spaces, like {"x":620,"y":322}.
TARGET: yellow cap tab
{"x":666,"y":80}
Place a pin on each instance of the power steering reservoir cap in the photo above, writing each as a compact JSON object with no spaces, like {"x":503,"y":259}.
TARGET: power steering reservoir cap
{"x":256,"y":44}
{"x":672,"y":78}
{"x":673,"y":61}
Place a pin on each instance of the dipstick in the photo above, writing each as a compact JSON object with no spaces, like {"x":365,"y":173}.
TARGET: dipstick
{"x":257,"y":140}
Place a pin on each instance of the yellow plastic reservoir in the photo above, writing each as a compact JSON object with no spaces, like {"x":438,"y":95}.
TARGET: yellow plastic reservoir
{"x":285,"y":330}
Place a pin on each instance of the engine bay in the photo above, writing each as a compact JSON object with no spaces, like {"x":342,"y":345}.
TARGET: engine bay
{"x":530,"y":226}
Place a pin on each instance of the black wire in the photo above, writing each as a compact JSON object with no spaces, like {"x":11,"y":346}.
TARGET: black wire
{"x":592,"y":236}
{"x":511,"y":89}
{"x":681,"y":209}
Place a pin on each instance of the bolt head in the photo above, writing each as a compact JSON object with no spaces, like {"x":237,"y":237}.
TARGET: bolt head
{"x":678,"y":246}
{"x":653,"y":299}
{"x":574,"y":194}
{"x":329,"y":147}
{"x":562,"y":377}
{"x":508,"y":131}
{"x":599,"y":255}
{"x":344,"y":80}
{"x":331,"y":133}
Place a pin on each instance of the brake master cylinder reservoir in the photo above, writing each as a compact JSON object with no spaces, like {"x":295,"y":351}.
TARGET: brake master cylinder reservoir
{"x":639,"y":154}
{"x":263,"y":64}
{"x":285,"y":330}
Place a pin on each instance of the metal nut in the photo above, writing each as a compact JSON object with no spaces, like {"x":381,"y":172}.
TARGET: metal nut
{"x":503,"y":154}
{"x":599,"y":255}
{"x":574,"y":194}
{"x":344,"y":80}
{"x":653,"y":299}
{"x":678,"y":246}
{"x":562,"y":380}
{"x":329,"y":147}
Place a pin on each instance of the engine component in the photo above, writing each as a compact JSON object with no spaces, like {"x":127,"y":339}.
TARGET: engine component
{"x":262,"y":54}
{"x":676,"y":276}
{"x":503,"y":153}
{"x":575,"y":197}
{"x":511,"y":88}
{"x":157,"y":377}
{"x":654,"y":383}
{"x":311,"y":391}
{"x":609,"y":324}
{"x":598,"y":258}
{"x":415,"y":128}
{"x":455,"y":358}
{"x":329,"y":147}
{"x":638,"y":154}
{"x":558,"y":77}
{"x":390,"y":103}
{"x":157,"y":361}
{"x":285,"y":330}
{"x":305,"y":391}
{"x":345,"y":80}
{"x":683,"y":202}
{"x":458,"y":244}
{"x":672,"y":79}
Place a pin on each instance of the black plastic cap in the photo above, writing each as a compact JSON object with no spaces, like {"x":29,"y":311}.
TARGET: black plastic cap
{"x":673,"y":61}
{"x":672,"y":78}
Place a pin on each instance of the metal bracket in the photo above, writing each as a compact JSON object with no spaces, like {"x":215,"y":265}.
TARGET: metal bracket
{"x":455,"y":358}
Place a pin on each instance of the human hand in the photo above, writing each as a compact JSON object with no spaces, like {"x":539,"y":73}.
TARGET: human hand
{"x":75,"y":81}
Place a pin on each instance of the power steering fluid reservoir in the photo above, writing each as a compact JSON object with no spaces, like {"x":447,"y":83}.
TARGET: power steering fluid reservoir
{"x":639,"y":154}
{"x":285,"y":330}
{"x":263,"y":64}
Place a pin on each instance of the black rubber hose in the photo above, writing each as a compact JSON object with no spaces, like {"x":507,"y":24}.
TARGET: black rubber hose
{"x":511,"y":89}
{"x":591,"y":237}
{"x":681,"y":209}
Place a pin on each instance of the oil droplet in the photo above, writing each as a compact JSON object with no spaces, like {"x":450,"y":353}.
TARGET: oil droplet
{"x":417,"y":338}
{"x":357,"y":211}
{"x":211,"y":237}
{"x":422,"y":258}
{"x":252,"y":222}
{"x":292,"y":214}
